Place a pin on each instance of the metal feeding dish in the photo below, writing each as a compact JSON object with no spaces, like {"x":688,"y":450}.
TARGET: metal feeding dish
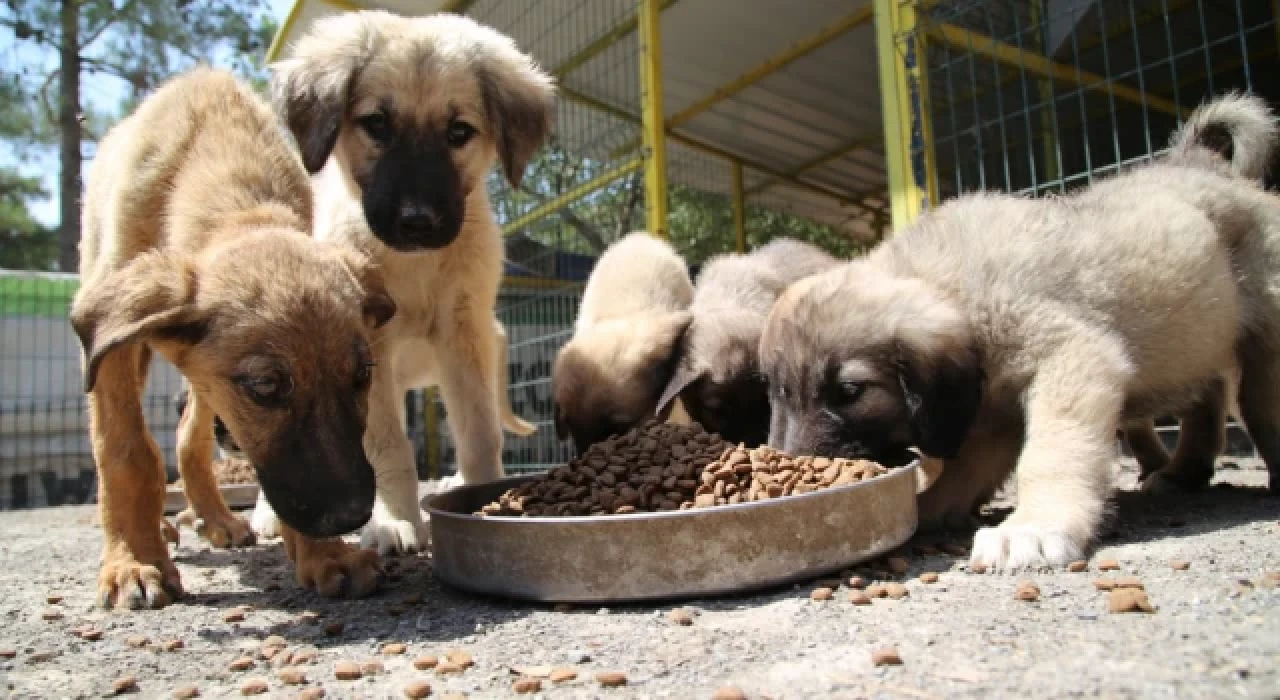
{"x":677,"y":554}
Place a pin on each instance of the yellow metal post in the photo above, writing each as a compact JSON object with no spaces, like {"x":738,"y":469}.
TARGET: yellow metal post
{"x":739,"y":208}
{"x":655,"y":142}
{"x":1048,"y":136}
{"x":905,"y":111}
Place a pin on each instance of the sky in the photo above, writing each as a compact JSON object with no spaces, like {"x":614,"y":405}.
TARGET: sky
{"x":99,"y":90}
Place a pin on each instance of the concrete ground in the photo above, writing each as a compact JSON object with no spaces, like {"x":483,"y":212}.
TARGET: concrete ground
{"x":1215,"y":631}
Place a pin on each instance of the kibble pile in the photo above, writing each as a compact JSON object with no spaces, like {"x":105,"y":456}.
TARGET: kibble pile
{"x":663,"y":467}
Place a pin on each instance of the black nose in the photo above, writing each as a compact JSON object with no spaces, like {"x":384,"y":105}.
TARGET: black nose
{"x":418,"y":220}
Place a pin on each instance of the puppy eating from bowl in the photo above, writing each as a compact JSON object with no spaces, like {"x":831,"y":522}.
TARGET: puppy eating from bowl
{"x":718,"y":376}
{"x":1003,"y":335}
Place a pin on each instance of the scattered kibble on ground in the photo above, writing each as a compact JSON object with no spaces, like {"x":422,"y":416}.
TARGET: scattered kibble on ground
{"x":1108,"y":565}
{"x":1124,"y":600}
{"x":611,"y":679}
{"x":821,"y":594}
{"x":929,"y":577}
{"x":1027,"y":591}
{"x":886,"y":656}
{"x":417,"y":689}
{"x":1076,"y":567}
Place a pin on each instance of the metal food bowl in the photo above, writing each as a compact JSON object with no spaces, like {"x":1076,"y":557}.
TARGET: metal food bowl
{"x":679,"y":554}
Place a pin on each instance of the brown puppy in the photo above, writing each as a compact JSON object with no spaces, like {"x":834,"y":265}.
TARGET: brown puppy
{"x":195,"y":246}
{"x":609,"y":376}
{"x":403,"y":119}
{"x":718,"y":376}
{"x":999,"y":332}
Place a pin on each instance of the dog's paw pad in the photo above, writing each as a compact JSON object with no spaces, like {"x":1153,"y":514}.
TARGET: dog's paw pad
{"x":127,"y":583}
{"x":264,"y":521}
{"x":225,"y":531}
{"x":390,"y":536}
{"x":336,"y":569}
{"x":1022,"y":547}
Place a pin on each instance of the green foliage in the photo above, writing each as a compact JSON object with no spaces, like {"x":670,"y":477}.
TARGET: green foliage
{"x":24,"y":243}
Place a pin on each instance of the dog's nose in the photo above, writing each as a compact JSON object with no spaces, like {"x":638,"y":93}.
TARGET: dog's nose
{"x":418,"y":220}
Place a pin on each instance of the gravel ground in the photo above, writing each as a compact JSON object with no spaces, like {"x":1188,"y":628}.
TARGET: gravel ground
{"x":1215,"y":632}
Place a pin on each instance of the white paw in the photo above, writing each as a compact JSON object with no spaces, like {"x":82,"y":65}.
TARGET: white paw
{"x":390,"y":535}
{"x":264,"y":521}
{"x":1012,"y":547}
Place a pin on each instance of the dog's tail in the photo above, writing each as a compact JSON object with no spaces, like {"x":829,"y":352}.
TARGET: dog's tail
{"x":510,"y":421}
{"x":1234,"y":133}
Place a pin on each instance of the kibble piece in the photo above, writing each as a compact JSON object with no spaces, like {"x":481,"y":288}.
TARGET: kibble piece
{"x":823,"y":593}
{"x":91,"y":634}
{"x":886,"y":656}
{"x":611,"y":679}
{"x":186,"y":692}
{"x":898,"y":565}
{"x":254,"y":686}
{"x":928,"y":577}
{"x":460,"y":657}
{"x":275,"y":641}
{"x":124,"y":684}
{"x":425,"y":663}
{"x":136,"y":641}
{"x":1128,"y":582}
{"x":292,"y":675}
{"x":527,"y":685}
{"x":235,"y":615}
{"x":1123,"y":600}
{"x":447,"y":667}
{"x":897,"y":591}
{"x":304,"y":655}
{"x":859,"y":598}
{"x":51,"y":615}
{"x":243,"y":663}
{"x":563,"y":675}
{"x":415,"y":690}
{"x":680,"y":616}
{"x":1180,"y":564}
{"x":977,"y":568}
{"x":371,"y":668}
{"x":172,"y":644}
{"x":8,"y":653}
{"x":333,"y":629}
{"x":39,"y":657}
{"x":311,"y":694}
{"x":729,"y":692}
{"x":347,"y":671}
{"x":876,"y":590}
{"x":394,"y":649}
{"x":1027,"y":591}
{"x":857,"y":582}
{"x":1104,"y":583}
{"x":1077,"y":566}
{"x":53,"y":599}
{"x":1108,"y":565}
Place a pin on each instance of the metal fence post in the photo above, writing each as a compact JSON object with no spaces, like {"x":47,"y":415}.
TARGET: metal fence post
{"x":652,"y":118}
{"x":904,"y":101}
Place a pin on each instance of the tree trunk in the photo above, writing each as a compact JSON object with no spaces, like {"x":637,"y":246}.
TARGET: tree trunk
{"x":69,"y":124}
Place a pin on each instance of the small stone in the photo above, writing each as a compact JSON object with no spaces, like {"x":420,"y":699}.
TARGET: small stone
{"x":1104,"y":583}
{"x":1108,"y":565}
{"x":334,"y":629}
{"x":563,"y":675}
{"x":124,"y":684}
{"x":859,"y":598}
{"x":425,"y":663}
{"x":1077,"y":566}
{"x":680,"y":616}
{"x":394,"y":649}
{"x":1125,"y":600}
{"x":611,"y":679}
{"x":527,"y":685}
{"x":823,"y":593}
{"x":243,"y":663}
{"x":460,"y":657}
{"x":977,"y":568}
{"x":186,"y":692}
{"x":928,"y":577}
{"x":172,"y":644}
{"x":51,"y":615}
{"x":311,"y":694}
{"x":254,"y":686}
{"x":292,"y":675}
{"x":371,"y":668}
{"x":898,"y":565}
{"x":886,"y":656}
{"x":233,"y":616}
{"x":53,"y":599}
{"x":897,"y":591}
{"x":136,"y":641}
{"x":729,"y":692}
{"x":1180,"y":564}
{"x":347,"y":671}
{"x":857,"y":582}
{"x":1027,"y":591}
{"x":415,"y":690}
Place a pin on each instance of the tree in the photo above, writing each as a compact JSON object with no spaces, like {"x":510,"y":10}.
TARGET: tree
{"x":24,"y":243}
{"x":140,"y":42}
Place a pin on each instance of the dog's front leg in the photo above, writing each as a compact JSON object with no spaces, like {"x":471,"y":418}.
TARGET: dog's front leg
{"x":467,"y":385}
{"x":215,"y":522}
{"x":332,"y":567}
{"x":397,"y":525}
{"x":1065,"y":471}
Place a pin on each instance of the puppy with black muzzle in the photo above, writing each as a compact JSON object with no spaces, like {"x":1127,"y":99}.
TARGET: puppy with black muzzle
{"x":402,"y":119}
{"x":1003,"y":334}
{"x":718,"y":377}
{"x":610,"y":375}
{"x":196,"y":245}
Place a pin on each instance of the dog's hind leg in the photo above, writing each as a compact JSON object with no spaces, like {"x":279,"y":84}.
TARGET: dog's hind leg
{"x":136,"y":569}
{"x":1144,"y":442}
{"x":1260,"y":403}
{"x":397,"y":524}
{"x":215,"y":522}
{"x":1201,"y":438}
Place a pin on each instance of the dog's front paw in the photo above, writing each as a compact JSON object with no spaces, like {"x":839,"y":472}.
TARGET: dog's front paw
{"x":126,"y":582}
{"x":225,"y":530}
{"x":336,"y":569}
{"x":387,"y":534}
{"x":1015,"y":547}
{"x":264,"y":520}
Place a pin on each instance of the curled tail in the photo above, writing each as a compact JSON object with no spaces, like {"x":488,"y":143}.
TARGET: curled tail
{"x":1234,"y":133}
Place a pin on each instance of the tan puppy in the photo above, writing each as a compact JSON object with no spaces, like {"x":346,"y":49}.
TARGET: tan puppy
{"x":718,"y":376}
{"x":1001,"y":332}
{"x":195,"y":246}
{"x":609,"y":376}
{"x":404,"y":118}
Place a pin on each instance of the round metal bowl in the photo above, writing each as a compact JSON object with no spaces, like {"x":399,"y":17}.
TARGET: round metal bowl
{"x":680,"y":554}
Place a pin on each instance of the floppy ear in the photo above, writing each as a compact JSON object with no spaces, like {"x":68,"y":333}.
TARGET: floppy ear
{"x":310,"y":91}
{"x":683,"y":377}
{"x":378,"y":306}
{"x":152,"y":296}
{"x":519,"y":99}
{"x":942,"y":403}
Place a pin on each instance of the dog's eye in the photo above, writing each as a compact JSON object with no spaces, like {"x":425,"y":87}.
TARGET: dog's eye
{"x":267,"y":390}
{"x":376,"y":125}
{"x":459,"y":134}
{"x":852,"y":391}
{"x":364,"y":375}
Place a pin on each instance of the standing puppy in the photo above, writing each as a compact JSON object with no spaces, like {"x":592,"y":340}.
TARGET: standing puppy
{"x":403,"y":119}
{"x":196,"y":246}
{"x":608,"y":378}
{"x":718,"y":377}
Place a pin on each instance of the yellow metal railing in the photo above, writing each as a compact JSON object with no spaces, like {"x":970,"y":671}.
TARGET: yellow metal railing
{"x":652,"y":118}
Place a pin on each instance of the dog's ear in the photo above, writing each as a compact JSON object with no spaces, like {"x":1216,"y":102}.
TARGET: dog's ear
{"x":310,"y":90}
{"x":153,"y":296}
{"x":377,"y":305}
{"x":684,"y":375}
{"x":942,"y":400}
{"x":519,"y":98}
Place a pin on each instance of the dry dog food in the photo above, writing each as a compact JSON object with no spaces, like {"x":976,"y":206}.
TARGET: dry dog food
{"x":859,"y":598}
{"x":822,"y":593}
{"x":311,"y":694}
{"x":347,"y":671}
{"x":254,"y":686}
{"x":417,"y":689}
{"x":243,"y":663}
{"x":425,"y":663}
{"x":1123,"y":600}
{"x":1108,"y":565}
{"x":563,"y":675}
{"x":928,"y":577}
{"x":292,"y":675}
{"x":1027,"y":591}
{"x":680,"y":616}
{"x":1180,"y":564}
{"x":665,"y":467}
{"x":186,"y":692}
{"x":611,"y":679}
{"x":527,"y":685}
{"x":394,"y":649}
{"x":729,"y":692}
{"x":886,"y":656}
{"x":124,"y":684}
{"x":1077,"y":566}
